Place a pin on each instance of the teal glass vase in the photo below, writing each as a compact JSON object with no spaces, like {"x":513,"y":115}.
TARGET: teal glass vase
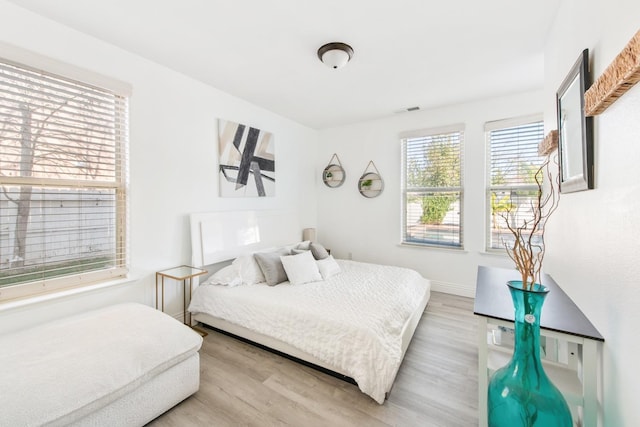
{"x":520,"y":394}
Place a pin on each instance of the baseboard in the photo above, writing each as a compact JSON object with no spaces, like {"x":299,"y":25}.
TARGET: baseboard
{"x":452,"y":288}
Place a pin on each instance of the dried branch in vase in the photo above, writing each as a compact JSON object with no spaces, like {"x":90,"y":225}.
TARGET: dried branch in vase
{"x":528,"y":249}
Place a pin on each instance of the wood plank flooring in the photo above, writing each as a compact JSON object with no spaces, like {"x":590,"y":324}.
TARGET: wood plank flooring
{"x":437,"y":385}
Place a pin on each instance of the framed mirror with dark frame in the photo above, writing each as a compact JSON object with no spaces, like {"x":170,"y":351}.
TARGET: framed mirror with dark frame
{"x":575,"y":131}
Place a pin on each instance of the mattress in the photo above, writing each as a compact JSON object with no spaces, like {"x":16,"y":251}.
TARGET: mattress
{"x":352,"y":321}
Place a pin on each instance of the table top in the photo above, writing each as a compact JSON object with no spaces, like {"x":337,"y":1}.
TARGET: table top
{"x":182,"y":272}
{"x":559,"y":312}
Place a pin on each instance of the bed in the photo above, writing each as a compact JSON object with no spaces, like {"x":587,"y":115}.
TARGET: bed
{"x":356,"y":322}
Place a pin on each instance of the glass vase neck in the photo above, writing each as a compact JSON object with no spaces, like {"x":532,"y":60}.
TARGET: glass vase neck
{"x":528,"y":306}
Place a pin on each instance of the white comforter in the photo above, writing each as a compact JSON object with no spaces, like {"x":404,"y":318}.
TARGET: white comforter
{"x":352,"y":321}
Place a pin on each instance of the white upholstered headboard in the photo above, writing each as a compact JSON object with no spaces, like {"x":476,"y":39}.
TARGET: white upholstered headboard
{"x":221,"y":236}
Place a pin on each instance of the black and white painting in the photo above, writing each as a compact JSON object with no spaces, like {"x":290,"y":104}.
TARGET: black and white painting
{"x":247,"y":161}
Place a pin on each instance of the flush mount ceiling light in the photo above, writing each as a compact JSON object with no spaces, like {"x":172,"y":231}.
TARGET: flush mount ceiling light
{"x":335,"y":55}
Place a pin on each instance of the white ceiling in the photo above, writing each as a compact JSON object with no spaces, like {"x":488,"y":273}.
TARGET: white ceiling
{"x":407,"y":52}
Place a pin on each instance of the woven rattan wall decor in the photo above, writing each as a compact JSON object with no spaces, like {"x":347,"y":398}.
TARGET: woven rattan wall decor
{"x":618,"y":78}
{"x":549,"y":144}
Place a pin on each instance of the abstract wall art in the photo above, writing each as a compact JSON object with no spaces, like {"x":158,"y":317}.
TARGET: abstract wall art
{"x":247,"y":161}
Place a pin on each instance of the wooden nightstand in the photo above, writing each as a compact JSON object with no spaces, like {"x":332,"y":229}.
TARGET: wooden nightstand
{"x":186,"y":274}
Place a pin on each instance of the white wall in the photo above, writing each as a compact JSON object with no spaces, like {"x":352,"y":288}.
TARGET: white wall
{"x":593,"y":239}
{"x":593,"y":248}
{"x":173,"y":159}
{"x":369,"y":229}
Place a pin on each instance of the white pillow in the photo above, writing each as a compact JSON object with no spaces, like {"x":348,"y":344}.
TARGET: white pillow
{"x":328,"y":267}
{"x":301,"y":268}
{"x":304,"y":245}
{"x":227,"y":276}
{"x":249,"y":270}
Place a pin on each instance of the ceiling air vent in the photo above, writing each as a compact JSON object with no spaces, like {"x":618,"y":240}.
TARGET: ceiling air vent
{"x":406,"y":110}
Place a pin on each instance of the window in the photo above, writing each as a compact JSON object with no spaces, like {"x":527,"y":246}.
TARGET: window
{"x":63,"y":181}
{"x":432,"y":187}
{"x":514,"y":161}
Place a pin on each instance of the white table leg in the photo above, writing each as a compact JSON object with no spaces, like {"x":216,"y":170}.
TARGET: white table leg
{"x":590,"y":383}
{"x":482,"y":372}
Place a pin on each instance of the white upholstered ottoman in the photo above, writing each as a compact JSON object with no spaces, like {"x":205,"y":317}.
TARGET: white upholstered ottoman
{"x":121,"y":365}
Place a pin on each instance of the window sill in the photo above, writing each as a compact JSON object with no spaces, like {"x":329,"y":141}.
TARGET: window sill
{"x":437,"y":248}
{"x":64,"y":293}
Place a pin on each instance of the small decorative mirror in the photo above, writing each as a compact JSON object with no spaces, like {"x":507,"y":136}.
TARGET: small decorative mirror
{"x":333,"y":175}
{"x":575,"y":131}
{"x":370,"y":183}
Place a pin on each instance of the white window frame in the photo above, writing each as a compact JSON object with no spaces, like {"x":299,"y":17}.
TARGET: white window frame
{"x":30,"y":61}
{"x":426,"y":133}
{"x":489,"y":127}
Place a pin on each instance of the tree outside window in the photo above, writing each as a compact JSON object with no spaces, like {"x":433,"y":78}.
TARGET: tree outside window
{"x":61,"y":176}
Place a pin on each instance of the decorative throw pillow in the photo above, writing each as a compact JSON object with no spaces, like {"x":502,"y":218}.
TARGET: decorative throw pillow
{"x":250,"y":272}
{"x":328,"y":267}
{"x":301,"y":268}
{"x":227,"y":276}
{"x":318,"y":251}
{"x":271,"y":266}
{"x":295,"y":251}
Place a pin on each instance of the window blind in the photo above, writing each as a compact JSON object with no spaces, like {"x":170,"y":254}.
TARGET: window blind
{"x":63,"y":180}
{"x":513,"y":161}
{"x":432,"y":187}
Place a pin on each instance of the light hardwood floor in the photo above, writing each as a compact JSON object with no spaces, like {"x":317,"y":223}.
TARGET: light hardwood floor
{"x":437,"y":385}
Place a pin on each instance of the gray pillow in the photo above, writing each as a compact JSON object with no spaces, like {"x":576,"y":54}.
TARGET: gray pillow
{"x":271,"y":266}
{"x":318,"y":251}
